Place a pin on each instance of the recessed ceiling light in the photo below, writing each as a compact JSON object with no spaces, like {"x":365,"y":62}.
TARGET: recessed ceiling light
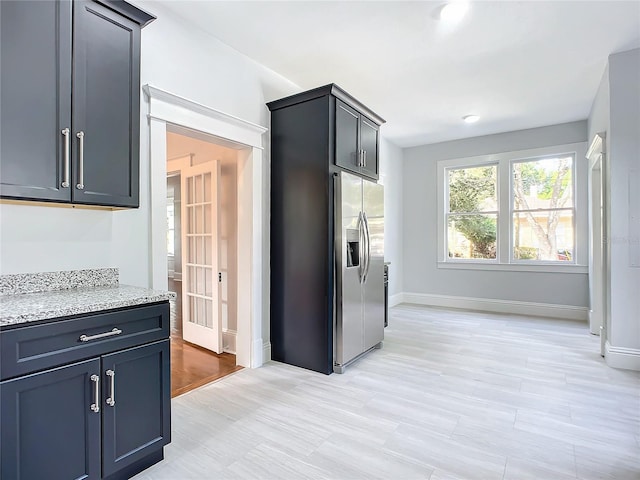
{"x":471,"y":118}
{"x":453,"y":12}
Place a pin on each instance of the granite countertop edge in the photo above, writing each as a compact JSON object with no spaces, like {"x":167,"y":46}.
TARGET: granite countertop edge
{"x":31,"y":307}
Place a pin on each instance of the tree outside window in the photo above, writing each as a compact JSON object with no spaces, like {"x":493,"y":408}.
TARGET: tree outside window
{"x":543,"y":209}
{"x":473,"y":212}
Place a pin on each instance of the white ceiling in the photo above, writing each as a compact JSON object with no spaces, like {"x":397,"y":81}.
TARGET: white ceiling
{"x":516,"y":64}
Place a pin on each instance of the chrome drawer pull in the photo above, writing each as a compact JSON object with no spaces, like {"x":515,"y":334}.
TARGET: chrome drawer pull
{"x":88,"y":338}
{"x":95,"y":407}
{"x":111,"y":400}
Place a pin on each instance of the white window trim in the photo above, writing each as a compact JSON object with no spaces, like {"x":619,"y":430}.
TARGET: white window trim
{"x":504,"y":259}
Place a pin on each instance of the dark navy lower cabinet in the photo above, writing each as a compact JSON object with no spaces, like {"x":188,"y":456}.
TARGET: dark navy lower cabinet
{"x":48,"y":428}
{"x":136,"y":418}
{"x":105,"y":417}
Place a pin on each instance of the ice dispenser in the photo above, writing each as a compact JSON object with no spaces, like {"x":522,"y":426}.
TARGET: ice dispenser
{"x":353,"y":248}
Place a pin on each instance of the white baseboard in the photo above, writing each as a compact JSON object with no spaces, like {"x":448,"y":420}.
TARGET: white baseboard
{"x":229,"y":338}
{"x":569,"y":312}
{"x":266,"y":352}
{"x":622,"y":357}
{"x":261,"y":353}
{"x":396,"y":299}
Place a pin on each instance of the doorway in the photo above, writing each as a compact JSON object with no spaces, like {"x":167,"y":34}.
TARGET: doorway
{"x":169,"y":113}
{"x":202,"y":256}
{"x":597,"y":236}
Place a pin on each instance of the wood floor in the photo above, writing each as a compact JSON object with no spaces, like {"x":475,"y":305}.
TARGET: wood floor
{"x":451,"y":395}
{"x":192,"y":366}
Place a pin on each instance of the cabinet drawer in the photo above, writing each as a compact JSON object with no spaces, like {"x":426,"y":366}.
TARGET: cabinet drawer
{"x":31,"y":348}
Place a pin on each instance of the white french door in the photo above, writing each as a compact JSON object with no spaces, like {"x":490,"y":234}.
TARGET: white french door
{"x":201,"y":294}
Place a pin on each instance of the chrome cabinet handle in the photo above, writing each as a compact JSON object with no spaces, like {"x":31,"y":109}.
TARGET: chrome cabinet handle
{"x":65,"y":179}
{"x":95,"y":406}
{"x":80,"y":185}
{"x":111,"y":400}
{"x":364,"y":158}
{"x":88,"y":338}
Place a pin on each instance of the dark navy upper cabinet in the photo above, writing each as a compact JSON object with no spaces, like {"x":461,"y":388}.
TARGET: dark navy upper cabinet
{"x":351,"y":129}
{"x":35,"y":98}
{"x":71,"y":101}
{"x":348,"y":154}
{"x":357,"y":141}
{"x":369,"y":144}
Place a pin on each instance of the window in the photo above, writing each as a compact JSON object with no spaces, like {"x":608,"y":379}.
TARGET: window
{"x":472,"y":217}
{"x":510,"y":210}
{"x":542,"y":209}
{"x":171,"y":227}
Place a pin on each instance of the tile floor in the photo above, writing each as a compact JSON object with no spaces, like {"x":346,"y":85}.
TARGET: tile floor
{"x":451,"y":395}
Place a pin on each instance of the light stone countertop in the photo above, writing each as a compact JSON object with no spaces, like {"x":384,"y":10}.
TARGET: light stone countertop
{"x":29,"y":307}
{"x":28,"y":297}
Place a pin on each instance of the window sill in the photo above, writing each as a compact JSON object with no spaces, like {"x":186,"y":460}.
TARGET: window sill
{"x":515,"y":267}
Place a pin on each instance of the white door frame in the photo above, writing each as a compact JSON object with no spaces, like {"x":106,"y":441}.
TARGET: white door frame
{"x":598,"y":228}
{"x":253,"y":347}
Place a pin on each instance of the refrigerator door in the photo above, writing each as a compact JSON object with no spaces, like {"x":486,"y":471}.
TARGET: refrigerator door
{"x":349,"y":268}
{"x":373,"y":287}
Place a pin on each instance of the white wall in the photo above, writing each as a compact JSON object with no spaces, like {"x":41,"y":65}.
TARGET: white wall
{"x":42,"y":239}
{"x":421,"y":275}
{"x":616,"y":111}
{"x":391,"y":178}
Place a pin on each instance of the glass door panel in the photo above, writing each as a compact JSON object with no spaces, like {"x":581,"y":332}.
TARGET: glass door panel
{"x":201,"y":296}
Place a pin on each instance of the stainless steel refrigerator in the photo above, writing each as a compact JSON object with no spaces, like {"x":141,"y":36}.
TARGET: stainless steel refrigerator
{"x":359,"y":269}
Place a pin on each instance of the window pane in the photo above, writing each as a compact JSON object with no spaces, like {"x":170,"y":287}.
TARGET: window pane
{"x":543,"y":236}
{"x":543,"y":184}
{"x":171,"y":248}
{"x":472,"y":236}
{"x":473,"y":189}
{"x":170,"y":227}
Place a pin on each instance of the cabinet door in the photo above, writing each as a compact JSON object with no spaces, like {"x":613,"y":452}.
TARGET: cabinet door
{"x":137,"y":422}
{"x":35,"y":103}
{"x":347,"y":137}
{"x":48,"y":427}
{"x":369,"y":143}
{"x":106,"y":106}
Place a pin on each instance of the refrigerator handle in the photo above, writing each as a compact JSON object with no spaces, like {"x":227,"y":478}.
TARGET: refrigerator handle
{"x":367,"y":234}
{"x":361,"y":240}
